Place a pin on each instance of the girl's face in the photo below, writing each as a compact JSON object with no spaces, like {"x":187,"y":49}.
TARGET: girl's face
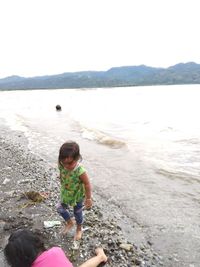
{"x":69,"y":163}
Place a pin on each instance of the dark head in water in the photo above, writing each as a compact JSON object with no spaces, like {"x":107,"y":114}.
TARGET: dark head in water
{"x":58,"y":107}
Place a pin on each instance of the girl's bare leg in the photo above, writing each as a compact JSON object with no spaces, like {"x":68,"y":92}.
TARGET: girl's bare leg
{"x":68,"y":225}
{"x":96,"y":260}
{"x":79,"y":232}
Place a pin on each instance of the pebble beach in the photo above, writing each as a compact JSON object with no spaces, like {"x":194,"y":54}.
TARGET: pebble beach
{"x":23,"y":172}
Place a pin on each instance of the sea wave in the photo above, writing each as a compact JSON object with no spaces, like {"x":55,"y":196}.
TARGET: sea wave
{"x":180,"y":175}
{"x":192,"y":141}
{"x":102,"y":138}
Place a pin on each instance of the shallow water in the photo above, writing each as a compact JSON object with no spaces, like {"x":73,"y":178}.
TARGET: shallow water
{"x":141,"y":148}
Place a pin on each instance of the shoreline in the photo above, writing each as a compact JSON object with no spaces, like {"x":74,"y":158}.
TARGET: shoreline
{"x":101,"y":227}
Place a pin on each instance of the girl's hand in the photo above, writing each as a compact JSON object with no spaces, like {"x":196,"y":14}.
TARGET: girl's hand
{"x":88,"y":203}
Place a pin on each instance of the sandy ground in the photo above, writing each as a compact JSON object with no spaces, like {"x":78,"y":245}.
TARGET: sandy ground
{"x":22,"y":172}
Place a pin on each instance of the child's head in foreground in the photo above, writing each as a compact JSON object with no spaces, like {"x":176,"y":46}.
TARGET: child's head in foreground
{"x":23,"y":248}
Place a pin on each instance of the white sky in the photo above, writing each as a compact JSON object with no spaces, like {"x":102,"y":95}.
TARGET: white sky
{"x":45,"y":37}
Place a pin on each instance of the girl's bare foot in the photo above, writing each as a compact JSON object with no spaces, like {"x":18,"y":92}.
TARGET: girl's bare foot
{"x":68,"y":225}
{"x":78,"y":233}
{"x":100,"y":253}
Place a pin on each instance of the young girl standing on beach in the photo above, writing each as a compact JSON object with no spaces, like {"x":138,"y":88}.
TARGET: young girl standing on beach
{"x":75,"y":187}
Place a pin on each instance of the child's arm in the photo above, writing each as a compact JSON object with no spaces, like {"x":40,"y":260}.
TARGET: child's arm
{"x":88,"y":195}
{"x":59,"y":175}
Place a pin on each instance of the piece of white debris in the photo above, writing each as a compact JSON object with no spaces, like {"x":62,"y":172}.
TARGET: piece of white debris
{"x":76,"y":245}
{"x":49,"y":224}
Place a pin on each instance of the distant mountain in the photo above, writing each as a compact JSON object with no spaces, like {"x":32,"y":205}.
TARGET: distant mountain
{"x":11,"y":79}
{"x":182,"y":73}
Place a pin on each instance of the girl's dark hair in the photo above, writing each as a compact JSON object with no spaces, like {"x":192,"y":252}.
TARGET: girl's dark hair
{"x":23,"y":248}
{"x":69,"y":149}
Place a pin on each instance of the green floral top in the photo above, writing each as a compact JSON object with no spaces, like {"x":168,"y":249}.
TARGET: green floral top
{"x":72,"y":188}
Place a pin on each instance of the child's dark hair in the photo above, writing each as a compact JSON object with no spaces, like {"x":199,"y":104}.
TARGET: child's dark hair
{"x":69,"y":149}
{"x":23,"y":248}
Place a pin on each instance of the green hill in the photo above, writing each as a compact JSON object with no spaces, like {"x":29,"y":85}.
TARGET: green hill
{"x":182,"y":73}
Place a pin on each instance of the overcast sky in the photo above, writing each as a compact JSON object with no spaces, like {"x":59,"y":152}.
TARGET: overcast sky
{"x":44,"y":37}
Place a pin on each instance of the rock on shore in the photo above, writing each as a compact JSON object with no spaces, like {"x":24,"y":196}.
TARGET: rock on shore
{"x":23,"y":172}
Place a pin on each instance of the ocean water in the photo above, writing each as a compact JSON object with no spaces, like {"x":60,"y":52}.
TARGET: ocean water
{"x":160,"y":123}
{"x":141,"y":146}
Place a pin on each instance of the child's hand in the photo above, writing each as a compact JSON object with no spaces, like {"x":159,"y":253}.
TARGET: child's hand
{"x":88,"y":203}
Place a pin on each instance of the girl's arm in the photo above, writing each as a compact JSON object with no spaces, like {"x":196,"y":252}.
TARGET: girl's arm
{"x":88,"y":195}
{"x":59,"y":176}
